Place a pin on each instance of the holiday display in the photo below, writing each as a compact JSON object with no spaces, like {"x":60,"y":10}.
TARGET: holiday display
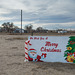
{"x":50,"y":49}
{"x":70,"y":52}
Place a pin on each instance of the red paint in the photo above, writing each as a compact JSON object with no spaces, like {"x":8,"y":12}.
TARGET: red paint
{"x":26,"y":53}
{"x":72,"y":42}
{"x":44,"y":55}
{"x":44,"y":49}
{"x":26,"y":43}
{"x":51,"y":44}
{"x":37,"y":58}
{"x":41,"y":38}
{"x":31,"y":38}
{"x":26,"y":58}
{"x":26,"y":48}
{"x":36,"y":38}
{"x":46,"y":38}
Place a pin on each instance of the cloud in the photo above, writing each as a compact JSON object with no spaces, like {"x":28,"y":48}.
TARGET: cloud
{"x":23,"y":23}
{"x":5,"y":18}
{"x":60,"y":26}
{"x":39,"y":12}
{"x":4,"y":11}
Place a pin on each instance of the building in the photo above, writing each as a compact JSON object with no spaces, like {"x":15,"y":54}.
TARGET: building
{"x":62,"y":31}
{"x":18,"y":30}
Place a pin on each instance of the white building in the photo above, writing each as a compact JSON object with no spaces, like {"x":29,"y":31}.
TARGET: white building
{"x":62,"y":31}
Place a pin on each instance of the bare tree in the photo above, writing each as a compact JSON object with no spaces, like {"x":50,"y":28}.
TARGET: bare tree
{"x":8,"y":27}
{"x":39,"y":29}
{"x":29,"y":28}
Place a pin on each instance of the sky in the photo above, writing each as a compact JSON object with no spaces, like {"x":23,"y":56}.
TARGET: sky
{"x":49,"y":14}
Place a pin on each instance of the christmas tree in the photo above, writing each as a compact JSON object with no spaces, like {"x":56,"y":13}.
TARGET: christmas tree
{"x":70,"y":52}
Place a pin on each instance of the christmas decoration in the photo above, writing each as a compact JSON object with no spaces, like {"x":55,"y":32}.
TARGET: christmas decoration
{"x":70,"y":58}
{"x":33,"y":56}
{"x":26,"y":50}
{"x":69,"y":48}
{"x":70,"y":52}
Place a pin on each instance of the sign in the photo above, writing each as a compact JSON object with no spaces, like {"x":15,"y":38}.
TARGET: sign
{"x":51,"y":48}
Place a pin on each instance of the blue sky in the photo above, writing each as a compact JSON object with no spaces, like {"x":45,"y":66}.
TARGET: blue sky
{"x":49,"y":14}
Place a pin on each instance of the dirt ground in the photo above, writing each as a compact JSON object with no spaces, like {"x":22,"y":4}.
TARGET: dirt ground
{"x":12,"y":60}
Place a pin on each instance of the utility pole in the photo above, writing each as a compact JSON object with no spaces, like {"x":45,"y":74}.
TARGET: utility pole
{"x":21,"y":22}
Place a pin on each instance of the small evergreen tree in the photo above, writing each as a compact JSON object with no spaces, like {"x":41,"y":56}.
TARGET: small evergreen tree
{"x":70,"y":52}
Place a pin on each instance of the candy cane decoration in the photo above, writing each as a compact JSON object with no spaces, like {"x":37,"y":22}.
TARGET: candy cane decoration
{"x":26,"y":50}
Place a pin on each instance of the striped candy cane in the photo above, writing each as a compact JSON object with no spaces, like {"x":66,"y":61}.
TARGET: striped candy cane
{"x":26,"y":50}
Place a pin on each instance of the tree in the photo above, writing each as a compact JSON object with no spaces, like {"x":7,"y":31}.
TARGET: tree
{"x":8,"y":27}
{"x":29,"y":28}
{"x":16,"y":27}
{"x":5,"y":26}
{"x":40,"y":29}
{"x":70,"y":52}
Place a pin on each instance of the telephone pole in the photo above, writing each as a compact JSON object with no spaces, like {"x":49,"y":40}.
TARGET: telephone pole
{"x":21,"y":22}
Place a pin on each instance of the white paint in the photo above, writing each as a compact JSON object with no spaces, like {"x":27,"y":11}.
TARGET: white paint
{"x":38,"y":43}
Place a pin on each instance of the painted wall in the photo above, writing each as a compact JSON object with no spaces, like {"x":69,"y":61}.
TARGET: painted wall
{"x":52,"y":49}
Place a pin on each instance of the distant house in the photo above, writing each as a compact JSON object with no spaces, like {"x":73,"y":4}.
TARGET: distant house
{"x":19,"y":31}
{"x":62,"y":31}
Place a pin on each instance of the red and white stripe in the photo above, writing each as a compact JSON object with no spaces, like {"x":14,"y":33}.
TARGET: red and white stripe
{"x":26,"y":50}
